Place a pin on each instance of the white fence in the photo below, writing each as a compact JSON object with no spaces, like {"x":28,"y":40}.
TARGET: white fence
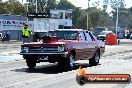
{"x":44,"y":26}
{"x":11,"y":24}
{"x":34,"y":26}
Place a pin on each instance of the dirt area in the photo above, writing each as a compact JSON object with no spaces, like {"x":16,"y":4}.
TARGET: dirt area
{"x":15,"y":74}
{"x":9,"y":49}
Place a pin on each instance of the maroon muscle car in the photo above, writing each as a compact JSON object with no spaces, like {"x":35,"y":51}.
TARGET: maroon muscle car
{"x":64,"y":46}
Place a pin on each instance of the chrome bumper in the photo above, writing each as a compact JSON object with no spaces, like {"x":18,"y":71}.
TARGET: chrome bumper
{"x":64,"y":53}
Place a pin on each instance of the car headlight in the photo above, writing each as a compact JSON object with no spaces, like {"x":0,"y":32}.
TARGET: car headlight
{"x":24,"y":49}
{"x":60,"y":49}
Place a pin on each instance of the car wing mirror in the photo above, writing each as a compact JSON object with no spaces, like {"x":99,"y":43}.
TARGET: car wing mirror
{"x":93,"y":39}
{"x":86,"y":31}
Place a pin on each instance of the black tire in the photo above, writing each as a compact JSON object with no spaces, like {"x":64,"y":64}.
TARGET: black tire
{"x":81,"y":80}
{"x":31,"y":63}
{"x":2,"y":40}
{"x":71,"y":61}
{"x":95,"y":59}
{"x":67,"y":64}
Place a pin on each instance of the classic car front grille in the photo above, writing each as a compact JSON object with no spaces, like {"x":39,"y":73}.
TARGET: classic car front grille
{"x":43,"y":49}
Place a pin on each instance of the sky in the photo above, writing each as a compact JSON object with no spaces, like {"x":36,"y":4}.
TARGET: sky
{"x":84,"y":3}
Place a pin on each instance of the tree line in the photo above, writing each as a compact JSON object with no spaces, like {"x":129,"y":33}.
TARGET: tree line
{"x":97,"y":17}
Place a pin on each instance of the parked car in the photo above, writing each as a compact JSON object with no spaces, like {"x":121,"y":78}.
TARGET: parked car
{"x":127,"y":35}
{"x":131,"y":36}
{"x":120,"y":36}
{"x":64,"y":46}
{"x":102,"y":35}
{"x":5,"y":38}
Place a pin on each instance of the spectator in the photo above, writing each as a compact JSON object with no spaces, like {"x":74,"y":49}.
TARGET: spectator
{"x":8,"y":35}
{"x":25,"y":32}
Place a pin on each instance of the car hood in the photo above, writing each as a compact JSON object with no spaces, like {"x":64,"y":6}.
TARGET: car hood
{"x":59,"y":42}
{"x":41,"y":43}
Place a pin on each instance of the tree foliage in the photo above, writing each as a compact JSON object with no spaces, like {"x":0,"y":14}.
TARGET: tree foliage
{"x":43,"y":4}
{"x":12,"y":7}
{"x":64,"y":4}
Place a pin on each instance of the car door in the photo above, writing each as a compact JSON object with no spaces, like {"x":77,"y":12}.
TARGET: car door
{"x":91,"y":45}
{"x":81,"y":46}
{"x":100,"y":45}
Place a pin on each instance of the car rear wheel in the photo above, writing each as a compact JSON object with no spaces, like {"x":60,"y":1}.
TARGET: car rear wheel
{"x":95,"y":59}
{"x":67,"y":64}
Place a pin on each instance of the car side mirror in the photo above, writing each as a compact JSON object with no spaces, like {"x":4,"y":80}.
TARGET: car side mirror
{"x":93,"y":39}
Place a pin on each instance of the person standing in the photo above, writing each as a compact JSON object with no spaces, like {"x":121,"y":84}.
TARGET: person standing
{"x":25,"y":31}
{"x":8,"y":36}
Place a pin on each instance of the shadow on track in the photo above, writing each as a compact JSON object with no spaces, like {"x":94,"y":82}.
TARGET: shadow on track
{"x":49,"y":69}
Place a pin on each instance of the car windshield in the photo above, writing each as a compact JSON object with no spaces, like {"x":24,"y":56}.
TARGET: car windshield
{"x":65,"y":35}
{"x":104,"y":33}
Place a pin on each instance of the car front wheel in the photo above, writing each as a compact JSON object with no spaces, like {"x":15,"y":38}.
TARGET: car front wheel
{"x":95,"y":59}
{"x":67,"y":64}
{"x":31,"y":63}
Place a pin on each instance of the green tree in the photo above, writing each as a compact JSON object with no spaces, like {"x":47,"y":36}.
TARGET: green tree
{"x":31,"y":7}
{"x":97,"y":17}
{"x":43,"y":4}
{"x":130,"y":19}
{"x":12,"y":7}
{"x":17,"y":8}
{"x":81,"y":22}
{"x":76,"y":18}
{"x":64,"y":4}
{"x":3,"y":7}
{"x":123,"y":17}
